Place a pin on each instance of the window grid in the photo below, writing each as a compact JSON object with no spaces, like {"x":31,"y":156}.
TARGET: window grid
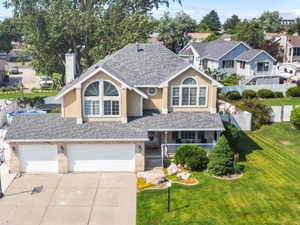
{"x":189,"y":96}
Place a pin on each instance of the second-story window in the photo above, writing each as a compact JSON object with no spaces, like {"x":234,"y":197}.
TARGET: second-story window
{"x":101,"y":98}
{"x":226,"y":64}
{"x":189,"y":94}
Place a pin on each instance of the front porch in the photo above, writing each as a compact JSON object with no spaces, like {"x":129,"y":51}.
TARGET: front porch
{"x":163,"y":144}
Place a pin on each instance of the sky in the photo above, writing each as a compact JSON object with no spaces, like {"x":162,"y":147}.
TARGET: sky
{"x":289,"y":9}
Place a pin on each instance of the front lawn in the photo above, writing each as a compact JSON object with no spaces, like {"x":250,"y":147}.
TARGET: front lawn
{"x":268,"y":193}
{"x":30,"y":95}
{"x":282,"y":101}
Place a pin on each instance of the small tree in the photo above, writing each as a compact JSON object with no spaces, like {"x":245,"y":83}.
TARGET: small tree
{"x":295,"y":117}
{"x":221,"y":158}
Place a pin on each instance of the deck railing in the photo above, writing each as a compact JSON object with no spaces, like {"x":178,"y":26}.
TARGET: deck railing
{"x":170,"y":149}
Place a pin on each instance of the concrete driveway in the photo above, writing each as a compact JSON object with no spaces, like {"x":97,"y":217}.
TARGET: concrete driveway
{"x":71,"y":199}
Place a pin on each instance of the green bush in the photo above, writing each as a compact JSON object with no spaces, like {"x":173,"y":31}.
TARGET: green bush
{"x":293,"y":92}
{"x":265,"y":93}
{"x":295,"y":117}
{"x":232,"y":80}
{"x":192,"y":156}
{"x":278,"y":94}
{"x":261,"y":113}
{"x":233,"y":95}
{"x":221,"y":159}
{"x":249,"y":94}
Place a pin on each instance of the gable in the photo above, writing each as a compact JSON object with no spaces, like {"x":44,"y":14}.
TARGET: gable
{"x":262,"y":57}
{"x":191,"y":72}
{"x":238,"y":50}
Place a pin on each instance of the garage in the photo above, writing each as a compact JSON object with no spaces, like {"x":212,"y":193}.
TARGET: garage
{"x":101,"y":157}
{"x":38,"y":158}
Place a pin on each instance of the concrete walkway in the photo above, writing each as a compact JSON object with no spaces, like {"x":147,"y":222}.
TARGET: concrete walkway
{"x":71,"y":199}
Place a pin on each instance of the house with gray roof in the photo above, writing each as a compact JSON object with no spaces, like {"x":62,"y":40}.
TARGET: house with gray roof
{"x":124,"y":113}
{"x":228,"y":57}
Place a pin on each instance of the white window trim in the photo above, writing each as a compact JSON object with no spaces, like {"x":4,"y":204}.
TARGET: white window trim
{"x":101,"y":98}
{"x":189,"y":77}
{"x":180,"y":96}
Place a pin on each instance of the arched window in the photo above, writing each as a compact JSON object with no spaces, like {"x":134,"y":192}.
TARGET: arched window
{"x":101,"y":98}
{"x":189,"y":94}
{"x":189,"y":81}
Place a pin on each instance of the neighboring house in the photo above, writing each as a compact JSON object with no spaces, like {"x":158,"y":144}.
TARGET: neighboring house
{"x":287,"y":22}
{"x":198,"y":37}
{"x":129,"y":108}
{"x":292,"y":51}
{"x":223,"y":56}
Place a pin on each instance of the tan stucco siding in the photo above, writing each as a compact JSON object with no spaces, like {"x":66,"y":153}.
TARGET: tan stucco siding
{"x":211,"y":95}
{"x":71,"y":105}
{"x":133,"y":104}
{"x":153,"y":102}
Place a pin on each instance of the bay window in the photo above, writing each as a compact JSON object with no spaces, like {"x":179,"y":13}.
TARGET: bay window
{"x":189,"y":94}
{"x":101,"y":98}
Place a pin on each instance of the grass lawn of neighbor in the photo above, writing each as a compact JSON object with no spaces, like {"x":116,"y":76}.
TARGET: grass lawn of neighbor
{"x":282,"y":101}
{"x":20,"y":95}
{"x":267,"y":194}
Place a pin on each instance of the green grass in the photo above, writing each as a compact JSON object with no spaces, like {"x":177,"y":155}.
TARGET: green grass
{"x":282,"y":101}
{"x":267,"y":194}
{"x":19,"y":95}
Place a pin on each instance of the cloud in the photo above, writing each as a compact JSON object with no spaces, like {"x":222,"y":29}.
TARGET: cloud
{"x":290,"y":13}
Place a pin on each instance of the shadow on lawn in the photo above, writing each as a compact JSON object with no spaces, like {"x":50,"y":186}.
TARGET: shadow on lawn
{"x":245,"y":145}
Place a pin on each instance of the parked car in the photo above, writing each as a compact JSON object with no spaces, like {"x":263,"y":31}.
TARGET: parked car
{"x":46,"y":82}
{"x":14,"y":70}
{"x":3,"y":55}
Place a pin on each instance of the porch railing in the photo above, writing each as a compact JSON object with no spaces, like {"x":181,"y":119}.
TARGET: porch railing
{"x":170,"y":149}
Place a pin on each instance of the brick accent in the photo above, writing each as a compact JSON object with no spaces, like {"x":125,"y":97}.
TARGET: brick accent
{"x":139,"y":157}
{"x":14,"y":162}
{"x":63,"y":166}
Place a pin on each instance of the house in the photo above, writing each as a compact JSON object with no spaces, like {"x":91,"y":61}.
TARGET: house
{"x":198,"y":37}
{"x":287,"y":22}
{"x":292,"y":50}
{"x":228,"y":57}
{"x":133,"y":106}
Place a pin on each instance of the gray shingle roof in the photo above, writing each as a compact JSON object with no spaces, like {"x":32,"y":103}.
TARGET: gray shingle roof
{"x":213,"y":49}
{"x":249,"y":55}
{"x":151,"y":65}
{"x":54,"y":127}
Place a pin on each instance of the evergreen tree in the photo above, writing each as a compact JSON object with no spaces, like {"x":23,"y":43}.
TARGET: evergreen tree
{"x":212,"y":21}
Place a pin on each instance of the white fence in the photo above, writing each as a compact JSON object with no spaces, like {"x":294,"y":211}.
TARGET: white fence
{"x":282,"y":113}
{"x":273,"y":87}
{"x":7,"y":107}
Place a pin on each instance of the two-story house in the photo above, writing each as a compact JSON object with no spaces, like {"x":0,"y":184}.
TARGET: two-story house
{"x":137,"y":104}
{"x":229,"y":57}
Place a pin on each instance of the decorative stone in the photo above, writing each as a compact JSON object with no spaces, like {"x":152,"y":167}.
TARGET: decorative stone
{"x":172,"y":169}
{"x":152,"y":177}
{"x":184,"y":175}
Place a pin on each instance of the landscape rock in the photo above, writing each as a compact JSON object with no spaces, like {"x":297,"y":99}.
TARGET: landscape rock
{"x":172,"y":169}
{"x":184,"y":175}
{"x":153,"y":177}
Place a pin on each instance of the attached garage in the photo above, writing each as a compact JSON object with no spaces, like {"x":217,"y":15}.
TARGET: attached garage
{"x":101,"y":157}
{"x":38,"y":158}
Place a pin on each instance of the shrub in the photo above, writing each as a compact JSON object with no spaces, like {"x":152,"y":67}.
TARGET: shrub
{"x":221,"y":158}
{"x":295,"y":117}
{"x":293,"y":92}
{"x":249,"y":94}
{"x":232,"y":80}
{"x":233,"y":95}
{"x":265,"y":93}
{"x":261,"y":113}
{"x":193,"y":156}
{"x":278,"y":94}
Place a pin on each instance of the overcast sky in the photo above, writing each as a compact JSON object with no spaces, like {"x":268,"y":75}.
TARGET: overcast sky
{"x":198,"y":8}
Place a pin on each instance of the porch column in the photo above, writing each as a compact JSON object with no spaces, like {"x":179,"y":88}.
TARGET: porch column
{"x":124,"y":104}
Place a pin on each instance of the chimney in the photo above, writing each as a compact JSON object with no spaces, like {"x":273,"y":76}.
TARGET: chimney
{"x":70,"y":70}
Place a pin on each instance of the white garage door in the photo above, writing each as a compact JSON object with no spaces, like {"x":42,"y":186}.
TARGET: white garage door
{"x":38,"y":158}
{"x":101,"y":157}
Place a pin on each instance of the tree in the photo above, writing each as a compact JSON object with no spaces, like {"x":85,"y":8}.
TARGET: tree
{"x":249,"y":32}
{"x":212,"y":21}
{"x":270,"y":21}
{"x":273,"y":48}
{"x":92,"y":29}
{"x":173,"y":31}
{"x":230,"y":23}
{"x":211,"y":37}
{"x":203,"y":28}
{"x":295,"y":117}
{"x":294,"y":28}
{"x":8,"y":32}
{"x":221,"y":159}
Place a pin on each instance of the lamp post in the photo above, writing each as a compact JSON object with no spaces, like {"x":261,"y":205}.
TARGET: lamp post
{"x":169,"y":184}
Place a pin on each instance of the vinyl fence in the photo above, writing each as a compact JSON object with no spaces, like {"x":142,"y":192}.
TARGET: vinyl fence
{"x":7,"y":108}
{"x":274,"y":87}
{"x":282,"y":113}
